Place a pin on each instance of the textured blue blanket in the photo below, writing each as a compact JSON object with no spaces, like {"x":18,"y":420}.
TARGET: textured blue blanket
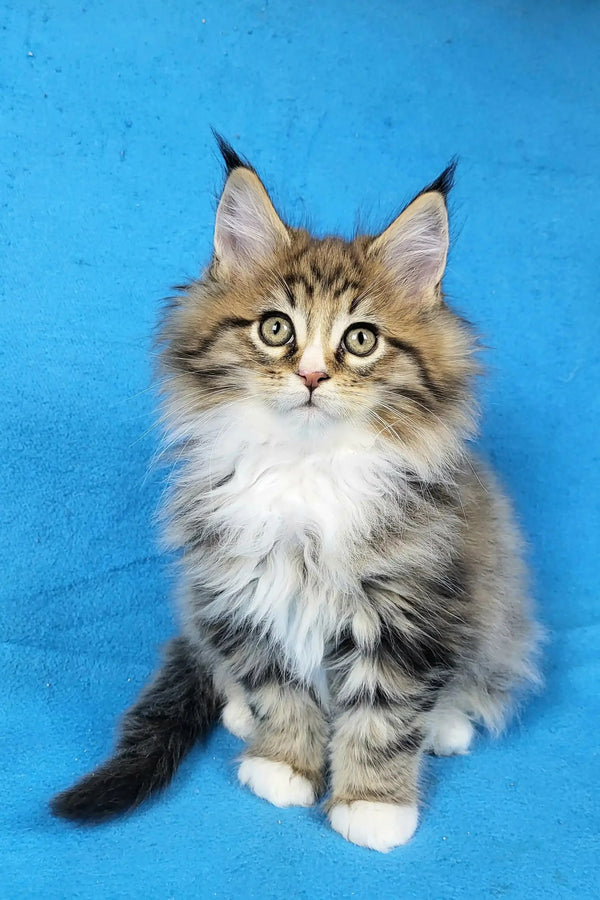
{"x":110,"y":174}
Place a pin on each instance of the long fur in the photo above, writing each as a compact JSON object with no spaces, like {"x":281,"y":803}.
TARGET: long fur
{"x":177,"y":709}
{"x":352,"y":590}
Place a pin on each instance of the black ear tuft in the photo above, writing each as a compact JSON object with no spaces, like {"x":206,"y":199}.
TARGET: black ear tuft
{"x":231,"y":159}
{"x":444,"y":183}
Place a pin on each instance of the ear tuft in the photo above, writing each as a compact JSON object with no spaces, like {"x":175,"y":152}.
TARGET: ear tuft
{"x":444,"y":183}
{"x":231,"y":159}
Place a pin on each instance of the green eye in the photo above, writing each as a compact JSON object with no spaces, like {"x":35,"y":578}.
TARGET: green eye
{"x":276,"y":330}
{"x":360,"y":340}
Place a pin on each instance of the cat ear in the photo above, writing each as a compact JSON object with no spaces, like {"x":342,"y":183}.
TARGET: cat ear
{"x":247,"y":228}
{"x":415,"y":246}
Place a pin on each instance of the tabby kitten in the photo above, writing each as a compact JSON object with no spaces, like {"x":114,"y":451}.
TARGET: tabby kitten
{"x":351,"y":583}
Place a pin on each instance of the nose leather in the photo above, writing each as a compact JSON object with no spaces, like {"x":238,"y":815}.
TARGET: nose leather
{"x":313,"y":379}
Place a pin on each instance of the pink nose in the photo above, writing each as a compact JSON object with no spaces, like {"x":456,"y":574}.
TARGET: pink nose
{"x":313,"y":379}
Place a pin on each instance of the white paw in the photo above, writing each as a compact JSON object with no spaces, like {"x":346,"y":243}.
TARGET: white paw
{"x":237,"y":718}
{"x":450,"y":733}
{"x":276,"y":782}
{"x":380,"y":826}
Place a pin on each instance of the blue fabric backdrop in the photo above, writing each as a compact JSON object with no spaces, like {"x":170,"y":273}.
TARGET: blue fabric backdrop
{"x":109,"y":178}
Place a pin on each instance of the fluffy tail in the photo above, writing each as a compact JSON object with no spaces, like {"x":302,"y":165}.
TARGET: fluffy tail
{"x":173,"y":712}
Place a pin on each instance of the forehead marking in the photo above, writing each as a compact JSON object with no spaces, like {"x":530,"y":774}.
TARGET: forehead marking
{"x":293,"y":281}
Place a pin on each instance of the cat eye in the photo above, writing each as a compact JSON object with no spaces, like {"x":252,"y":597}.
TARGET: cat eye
{"x":360,"y":340}
{"x":276,"y":330}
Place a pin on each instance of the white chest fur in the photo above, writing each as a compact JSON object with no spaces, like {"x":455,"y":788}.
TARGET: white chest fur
{"x":295,"y":510}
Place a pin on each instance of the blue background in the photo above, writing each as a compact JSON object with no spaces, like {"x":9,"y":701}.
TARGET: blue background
{"x":109,"y":180}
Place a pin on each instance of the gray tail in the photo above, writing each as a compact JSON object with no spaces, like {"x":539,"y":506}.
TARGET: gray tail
{"x":176,"y":710}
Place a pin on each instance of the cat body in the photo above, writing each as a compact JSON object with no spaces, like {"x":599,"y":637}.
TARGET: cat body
{"x":352,"y":592}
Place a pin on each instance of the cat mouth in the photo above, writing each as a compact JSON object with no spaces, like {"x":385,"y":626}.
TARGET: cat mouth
{"x":312,"y":409}
{"x":308,"y":405}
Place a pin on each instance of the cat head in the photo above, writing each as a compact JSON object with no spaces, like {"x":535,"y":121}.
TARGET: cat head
{"x":318,"y":332}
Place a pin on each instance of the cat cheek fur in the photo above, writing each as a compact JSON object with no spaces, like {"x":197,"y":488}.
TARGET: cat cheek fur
{"x":352,"y":592}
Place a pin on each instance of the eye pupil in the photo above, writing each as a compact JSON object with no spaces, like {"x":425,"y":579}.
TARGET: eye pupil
{"x":361,"y":341}
{"x":276,"y":331}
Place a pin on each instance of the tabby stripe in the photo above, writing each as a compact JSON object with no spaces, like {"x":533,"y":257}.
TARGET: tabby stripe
{"x":348,"y":284}
{"x":417,"y":397}
{"x":409,"y":742}
{"x":223,"y":481}
{"x":331,"y":278}
{"x":328,"y":280}
{"x":300,"y":280}
{"x":213,"y":372}
{"x":228,"y":637}
{"x":207,"y":342}
{"x":417,"y":358}
{"x":355,"y":302}
{"x":262,"y":675}
{"x":257,"y":665}
{"x":236,"y":640}
{"x":235,"y":322}
{"x":432,"y":492}
{"x":316,"y":272}
{"x":289,"y":293}
{"x":345,"y":642}
{"x":373,"y":698}
{"x":452,"y":583}
{"x":419,"y":655}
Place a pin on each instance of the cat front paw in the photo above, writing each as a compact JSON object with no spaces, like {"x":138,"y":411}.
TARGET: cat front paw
{"x":450,"y":733}
{"x":238,"y":719}
{"x":276,"y":782}
{"x":379,"y":826}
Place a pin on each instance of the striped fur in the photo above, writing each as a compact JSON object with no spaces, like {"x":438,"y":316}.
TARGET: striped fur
{"x":350,"y":574}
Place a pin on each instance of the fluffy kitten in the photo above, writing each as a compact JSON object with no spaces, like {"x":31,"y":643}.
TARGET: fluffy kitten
{"x":351,"y":583}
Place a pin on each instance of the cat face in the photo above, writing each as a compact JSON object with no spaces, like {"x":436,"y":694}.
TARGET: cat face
{"x":322,"y":331}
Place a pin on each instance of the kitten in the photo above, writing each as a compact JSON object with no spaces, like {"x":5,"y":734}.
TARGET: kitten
{"x":352,"y":592}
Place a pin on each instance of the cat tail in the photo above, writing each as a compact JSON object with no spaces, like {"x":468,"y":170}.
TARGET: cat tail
{"x":173,"y":712}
